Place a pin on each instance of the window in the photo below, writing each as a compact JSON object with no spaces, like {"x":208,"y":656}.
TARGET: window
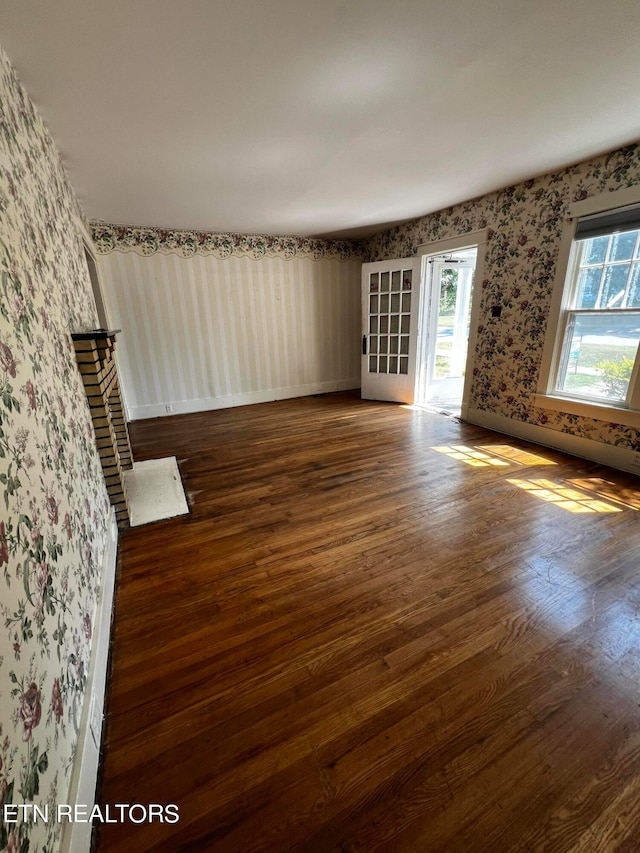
{"x":595,"y":349}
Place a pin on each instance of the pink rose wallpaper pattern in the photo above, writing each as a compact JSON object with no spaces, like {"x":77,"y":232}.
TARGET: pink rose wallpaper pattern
{"x":524,"y":225}
{"x":53,"y":505}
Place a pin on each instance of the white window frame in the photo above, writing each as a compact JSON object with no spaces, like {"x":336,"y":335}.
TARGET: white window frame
{"x":546,"y":397}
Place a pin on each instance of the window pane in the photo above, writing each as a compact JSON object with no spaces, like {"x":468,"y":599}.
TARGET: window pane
{"x":599,"y":356}
{"x":613,"y":287}
{"x":622,"y":246}
{"x":634,"y":288}
{"x":595,"y":250}
{"x":588,"y":286}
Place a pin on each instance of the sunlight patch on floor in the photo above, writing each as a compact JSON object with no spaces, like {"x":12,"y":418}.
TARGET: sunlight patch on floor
{"x":629,"y":498}
{"x":516,"y":454}
{"x":493,"y":455}
{"x":563,"y":496}
{"x":471,"y":456}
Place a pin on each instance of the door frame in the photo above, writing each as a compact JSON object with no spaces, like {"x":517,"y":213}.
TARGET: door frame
{"x":439,"y":247}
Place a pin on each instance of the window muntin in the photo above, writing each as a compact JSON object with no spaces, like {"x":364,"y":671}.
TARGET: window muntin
{"x":602,"y":320}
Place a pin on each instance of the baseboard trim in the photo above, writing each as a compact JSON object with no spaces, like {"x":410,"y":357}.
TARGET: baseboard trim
{"x":205,"y":404}
{"x":621,"y":458}
{"x":76,"y":837}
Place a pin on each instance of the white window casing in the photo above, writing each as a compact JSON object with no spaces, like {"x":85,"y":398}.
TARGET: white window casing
{"x":601,"y":216}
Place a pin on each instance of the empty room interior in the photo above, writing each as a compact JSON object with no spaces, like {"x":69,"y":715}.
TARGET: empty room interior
{"x":319,"y":426}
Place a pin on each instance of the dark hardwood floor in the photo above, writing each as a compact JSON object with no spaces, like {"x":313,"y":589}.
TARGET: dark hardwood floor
{"x":378,"y":629}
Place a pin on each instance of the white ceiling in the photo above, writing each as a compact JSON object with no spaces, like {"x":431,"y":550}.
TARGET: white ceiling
{"x":320,"y":116}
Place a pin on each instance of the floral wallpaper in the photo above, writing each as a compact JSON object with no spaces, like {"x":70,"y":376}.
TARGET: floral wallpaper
{"x":148,"y":241}
{"x":524,"y":225}
{"x":53,"y":504}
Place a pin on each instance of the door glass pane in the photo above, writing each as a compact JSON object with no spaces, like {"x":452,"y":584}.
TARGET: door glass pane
{"x":406,"y":303}
{"x":393,"y":344}
{"x":395,"y":303}
{"x":384,"y":343}
{"x":404,"y":344}
{"x":395,"y":323}
{"x":373,"y":344}
{"x":382,"y":366}
{"x":405,"y":325}
{"x":404,"y":365}
{"x":373,"y":282}
{"x":373,"y":305}
{"x":384,"y":282}
{"x":384,"y":303}
{"x":599,"y":356}
{"x":373,"y":364}
{"x":373,"y":325}
{"x":446,"y":320}
{"x":384,"y":325}
{"x":406,"y":279}
{"x":454,"y":308}
{"x":395,"y":281}
{"x":393,"y":364}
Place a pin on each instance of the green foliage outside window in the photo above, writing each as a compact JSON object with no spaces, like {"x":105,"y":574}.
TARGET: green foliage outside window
{"x":616,"y":376}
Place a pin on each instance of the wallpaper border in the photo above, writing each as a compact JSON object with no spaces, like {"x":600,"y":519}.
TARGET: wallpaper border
{"x":109,"y":237}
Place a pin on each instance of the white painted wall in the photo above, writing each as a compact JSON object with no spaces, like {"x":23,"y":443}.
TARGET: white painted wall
{"x":202,"y":333}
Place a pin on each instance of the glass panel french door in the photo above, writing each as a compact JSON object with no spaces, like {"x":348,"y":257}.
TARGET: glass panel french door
{"x":390,"y":297}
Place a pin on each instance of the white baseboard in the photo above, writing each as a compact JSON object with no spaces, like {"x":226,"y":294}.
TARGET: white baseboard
{"x":596,"y":451}
{"x":76,"y":837}
{"x":205,"y":404}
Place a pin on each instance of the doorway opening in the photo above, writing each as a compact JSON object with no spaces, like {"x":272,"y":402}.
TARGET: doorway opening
{"x":443,"y":329}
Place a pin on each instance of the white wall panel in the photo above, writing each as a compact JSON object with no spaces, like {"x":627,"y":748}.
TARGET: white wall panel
{"x":201,"y":333}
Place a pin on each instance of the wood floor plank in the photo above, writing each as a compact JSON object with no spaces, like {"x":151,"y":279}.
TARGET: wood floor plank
{"x":357,"y":640}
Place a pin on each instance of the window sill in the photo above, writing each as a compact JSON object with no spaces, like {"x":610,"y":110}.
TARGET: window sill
{"x":597,"y":411}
